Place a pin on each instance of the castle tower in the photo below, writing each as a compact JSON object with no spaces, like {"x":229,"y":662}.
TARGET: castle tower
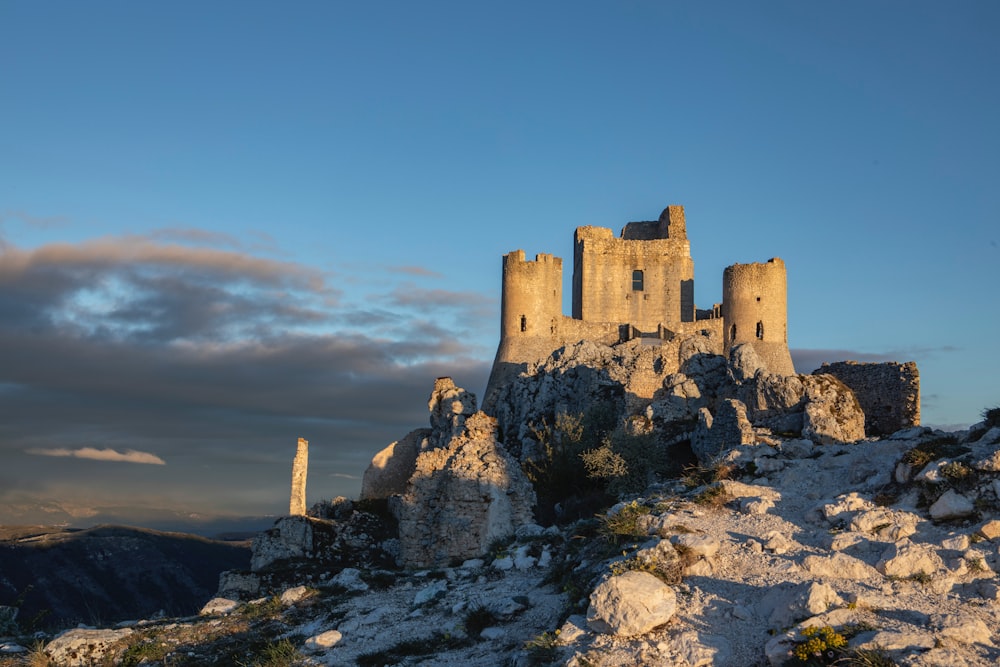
{"x":530,"y":317}
{"x":755,"y":311}
{"x":531,"y":302}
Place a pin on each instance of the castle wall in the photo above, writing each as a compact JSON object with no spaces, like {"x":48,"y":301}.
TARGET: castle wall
{"x":531,"y":304}
{"x":606,"y":287}
{"x":755,"y":311}
{"x":889,"y":393}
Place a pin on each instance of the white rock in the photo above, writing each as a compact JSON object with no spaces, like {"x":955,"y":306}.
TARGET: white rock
{"x":473,"y":564}
{"x":492,"y":633}
{"x":962,"y":629}
{"x":429,"y":593}
{"x":932,"y":472}
{"x":573,"y":629}
{"x":218,"y":606}
{"x":787,"y":604}
{"x":906,"y":559}
{"x":545,"y":559}
{"x":350,"y":578}
{"x":630,"y":604}
{"x":951,"y":505}
{"x":956,"y":543}
{"x":704,"y":546}
{"x":323,"y":641}
{"x":10,"y":648}
{"x":838,"y":566}
{"x":83,"y":647}
{"x":295,"y":594}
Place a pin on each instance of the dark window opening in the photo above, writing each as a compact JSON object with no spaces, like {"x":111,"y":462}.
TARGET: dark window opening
{"x":760,"y":331}
{"x":637,"y":281}
{"x":758,"y":299}
{"x":732,"y":333}
{"x":524,"y":323}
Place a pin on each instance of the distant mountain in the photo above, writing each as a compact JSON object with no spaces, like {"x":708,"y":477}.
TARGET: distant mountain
{"x":60,"y":577}
{"x":27,"y":510}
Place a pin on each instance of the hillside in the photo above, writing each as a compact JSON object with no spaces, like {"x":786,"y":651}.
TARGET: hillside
{"x":60,"y":577}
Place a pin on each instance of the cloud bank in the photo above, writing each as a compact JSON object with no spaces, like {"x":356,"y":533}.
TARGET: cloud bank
{"x":195,"y":348}
{"x":128,"y":456}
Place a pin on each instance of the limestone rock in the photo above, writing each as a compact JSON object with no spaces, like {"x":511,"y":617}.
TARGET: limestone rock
{"x":951,"y":505}
{"x":350,"y":579}
{"x":238,"y":585}
{"x":294,"y":595}
{"x":392,"y":467}
{"x":462,"y":497}
{"x":906,"y":559}
{"x":323,"y":641}
{"x":886,"y":524}
{"x":745,"y":363}
{"x":728,"y":427}
{"x":449,"y":406}
{"x":785,"y":605}
{"x":83,"y":647}
{"x":832,"y":413}
{"x":990,"y":530}
{"x":630,"y":604}
{"x":838,"y":566}
{"x":290,"y":537}
{"x":219,"y":605}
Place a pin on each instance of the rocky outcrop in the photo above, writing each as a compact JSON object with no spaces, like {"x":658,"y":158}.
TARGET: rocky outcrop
{"x":83,"y":647}
{"x":630,"y":604}
{"x":462,"y":497}
{"x":391,"y":468}
{"x":727,"y":428}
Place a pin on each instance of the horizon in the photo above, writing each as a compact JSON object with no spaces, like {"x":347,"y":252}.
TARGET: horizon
{"x":223,"y":228}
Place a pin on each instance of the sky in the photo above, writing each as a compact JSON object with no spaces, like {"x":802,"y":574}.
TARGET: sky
{"x":228,"y":225}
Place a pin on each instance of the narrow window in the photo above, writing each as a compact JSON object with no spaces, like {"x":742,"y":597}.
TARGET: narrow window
{"x":760,"y":331}
{"x":732,"y":333}
{"x":637,"y":281}
{"x":524,"y":323}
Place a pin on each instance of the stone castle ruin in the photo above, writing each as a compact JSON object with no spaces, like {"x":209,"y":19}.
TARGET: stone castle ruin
{"x":640,"y":285}
{"x":637,"y":347}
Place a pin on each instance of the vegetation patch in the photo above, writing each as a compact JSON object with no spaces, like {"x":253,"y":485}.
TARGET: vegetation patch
{"x":413,"y":648}
{"x":543,"y":649}
{"x":624,"y":524}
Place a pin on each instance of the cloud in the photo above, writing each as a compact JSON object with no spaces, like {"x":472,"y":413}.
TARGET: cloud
{"x":128,"y":456}
{"x":217,"y":360}
{"x":418,"y":271}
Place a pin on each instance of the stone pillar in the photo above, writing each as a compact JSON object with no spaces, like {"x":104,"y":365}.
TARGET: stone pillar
{"x":297,"y":506}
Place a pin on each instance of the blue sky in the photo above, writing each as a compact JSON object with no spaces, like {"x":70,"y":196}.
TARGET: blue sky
{"x":228,"y":225}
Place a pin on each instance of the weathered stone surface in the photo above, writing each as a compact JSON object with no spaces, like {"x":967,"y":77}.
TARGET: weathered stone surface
{"x":630,"y":604}
{"x":886,"y":524}
{"x":951,"y":505}
{"x":391,"y":468}
{"x":728,"y":427}
{"x":838,"y":566}
{"x":744,"y":362}
{"x":449,"y":406}
{"x":291,"y":537}
{"x":238,"y":585}
{"x":83,"y":647}
{"x":300,"y":470}
{"x":832,"y":413}
{"x":462,"y":497}
{"x":888,"y":392}
{"x":906,"y":559}
{"x":350,"y":579}
{"x":784,"y":605}
{"x":294,"y":595}
{"x":219,"y":605}
{"x":323,"y":641}
{"x":990,"y":530}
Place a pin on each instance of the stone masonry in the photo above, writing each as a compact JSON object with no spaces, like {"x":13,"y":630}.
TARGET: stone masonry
{"x":889,"y":393}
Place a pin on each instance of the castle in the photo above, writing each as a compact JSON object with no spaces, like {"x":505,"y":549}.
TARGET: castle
{"x":639,"y":285}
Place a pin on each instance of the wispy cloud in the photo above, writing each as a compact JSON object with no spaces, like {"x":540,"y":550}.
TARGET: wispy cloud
{"x":128,"y":456}
{"x":418,"y":271}
{"x":808,"y":360}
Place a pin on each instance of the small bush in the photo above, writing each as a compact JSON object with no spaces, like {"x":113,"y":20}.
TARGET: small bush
{"x":992,"y":417}
{"x":281,"y":653}
{"x":714,"y":496}
{"x":270,"y":608}
{"x":821,"y":646}
{"x":410,"y":648}
{"x":945,"y":447}
{"x":542,"y":650}
{"x":624,"y":524}
{"x":478,"y":619}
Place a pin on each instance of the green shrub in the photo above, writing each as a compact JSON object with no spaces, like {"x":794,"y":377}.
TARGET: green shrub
{"x":992,"y":416}
{"x":624,"y":524}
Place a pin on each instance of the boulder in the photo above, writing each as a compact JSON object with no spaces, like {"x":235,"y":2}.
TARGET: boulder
{"x":906,"y":559}
{"x":951,"y":505}
{"x":784,"y":605}
{"x":323,"y":641}
{"x":630,"y":604}
{"x":82,"y":647}
{"x":219,"y":606}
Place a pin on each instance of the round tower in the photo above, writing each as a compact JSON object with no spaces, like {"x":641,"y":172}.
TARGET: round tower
{"x":531,"y":302}
{"x":755,"y":311}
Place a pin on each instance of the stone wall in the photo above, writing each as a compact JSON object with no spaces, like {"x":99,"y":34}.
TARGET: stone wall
{"x":889,"y":393}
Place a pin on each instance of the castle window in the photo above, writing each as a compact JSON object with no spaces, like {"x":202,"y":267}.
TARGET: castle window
{"x":637,"y":281}
{"x":732,"y":333}
{"x":760,"y":331}
{"x":524,"y":323}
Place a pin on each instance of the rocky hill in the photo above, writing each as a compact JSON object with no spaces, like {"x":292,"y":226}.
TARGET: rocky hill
{"x":719,"y":515}
{"x":59,"y":577}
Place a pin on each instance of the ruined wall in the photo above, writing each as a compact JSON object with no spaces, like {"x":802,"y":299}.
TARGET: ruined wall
{"x":889,"y":393}
{"x":755,"y":311}
{"x":643,"y":281}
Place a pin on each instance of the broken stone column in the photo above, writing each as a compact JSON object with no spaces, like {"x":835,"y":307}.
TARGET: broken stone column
{"x":300,"y":466}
